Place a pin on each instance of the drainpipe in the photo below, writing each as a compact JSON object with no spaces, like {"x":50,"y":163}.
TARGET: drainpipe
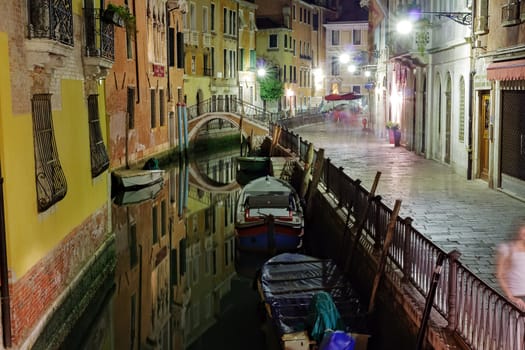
{"x":4,"y":277}
{"x":470,"y":124}
{"x":137,"y":78}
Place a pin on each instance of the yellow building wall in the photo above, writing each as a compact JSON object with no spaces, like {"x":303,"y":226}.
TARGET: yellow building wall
{"x":31,"y":235}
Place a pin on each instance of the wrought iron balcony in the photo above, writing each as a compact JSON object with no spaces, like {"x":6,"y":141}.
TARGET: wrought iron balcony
{"x":100,"y":35}
{"x":51,"y":19}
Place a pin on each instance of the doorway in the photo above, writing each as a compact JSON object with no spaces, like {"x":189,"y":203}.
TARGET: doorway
{"x":484,"y":123}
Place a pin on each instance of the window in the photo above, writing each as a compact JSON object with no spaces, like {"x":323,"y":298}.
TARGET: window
{"x":51,"y":185}
{"x":225,"y":21}
{"x":285,"y":41}
{"x":357,"y":37}
{"x":52,"y":20}
{"x":99,"y":155}
{"x":205,"y":20}
{"x":335,"y":37}
{"x":315,"y":21}
{"x":284,"y":73}
{"x":241,"y":59}
{"x":131,"y":107}
{"x":212,"y":17}
{"x":272,"y":43}
{"x":153,"y":97}
{"x":163,"y":218}
{"x":193,"y":64}
{"x":154,"y":224}
{"x":335,"y":66}
{"x":253,"y":59}
{"x":293,"y":12}
{"x":174,"y":276}
{"x":133,"y":254}
{"x":356,"y":89}
{"x":162,"y":108}
{"x":193,"y":17}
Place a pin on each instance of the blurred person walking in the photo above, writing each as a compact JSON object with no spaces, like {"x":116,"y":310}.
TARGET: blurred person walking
{"x":510,"y":267}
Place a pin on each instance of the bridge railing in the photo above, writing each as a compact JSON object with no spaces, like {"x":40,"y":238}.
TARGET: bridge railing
{"x":232,"y":105}
{"x":477,"y":313}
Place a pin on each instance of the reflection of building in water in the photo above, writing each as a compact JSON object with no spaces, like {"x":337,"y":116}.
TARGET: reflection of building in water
{"x":175,"y":262}
{"x":221,"y":169}
{"x":209,"y":256}
{"x":141,"y":303}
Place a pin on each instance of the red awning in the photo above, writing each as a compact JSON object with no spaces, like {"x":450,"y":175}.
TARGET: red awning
{"x":350,"y":96}
{"x":507,"y":70}
{"x":332,"y":97}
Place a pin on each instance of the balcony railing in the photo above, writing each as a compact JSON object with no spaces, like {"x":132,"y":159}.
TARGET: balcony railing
{"x":51,"y":19}
{"x":100,"y":35}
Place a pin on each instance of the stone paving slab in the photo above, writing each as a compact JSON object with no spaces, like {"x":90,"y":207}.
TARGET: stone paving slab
{"x":452,"y":211}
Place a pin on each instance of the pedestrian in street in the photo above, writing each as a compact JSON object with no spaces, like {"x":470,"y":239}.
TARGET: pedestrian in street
{"x":510,"y":265}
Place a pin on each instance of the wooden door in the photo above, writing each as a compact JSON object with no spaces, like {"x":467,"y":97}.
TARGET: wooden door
{"x":484,"y":136}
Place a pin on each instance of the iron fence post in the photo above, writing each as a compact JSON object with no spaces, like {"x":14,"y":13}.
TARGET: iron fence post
{"x":407,"y":256}
{"x":327,"y":174}
{"x":340,"y":172}
{"x":452,"y":318}
{"x":377,"y":224}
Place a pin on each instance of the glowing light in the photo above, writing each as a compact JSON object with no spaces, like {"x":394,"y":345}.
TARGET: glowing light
{"x":352,"y":68}
{"x":261,"y":72}
{"x":289,"y":92}
{"x":344,"y":58}
{"x":368,"y":74}
{"x":404,"y":26}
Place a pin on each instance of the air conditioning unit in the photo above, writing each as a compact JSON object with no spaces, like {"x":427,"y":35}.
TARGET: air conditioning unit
{"x":481,"y":25}
{"x":510,"y":14}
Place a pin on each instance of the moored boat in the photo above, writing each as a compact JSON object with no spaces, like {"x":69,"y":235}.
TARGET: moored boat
{"x":137,"y":178}
{"x":254,"y":164}
{"x":303,"y":294}
{"x":269,"y":217}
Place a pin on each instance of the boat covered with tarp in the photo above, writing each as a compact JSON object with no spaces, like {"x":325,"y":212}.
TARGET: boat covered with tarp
{"x":305,"y":297}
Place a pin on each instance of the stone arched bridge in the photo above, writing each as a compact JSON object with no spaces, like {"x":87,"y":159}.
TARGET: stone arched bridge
{"x":249,"y":126}
{"x":254,"y":119}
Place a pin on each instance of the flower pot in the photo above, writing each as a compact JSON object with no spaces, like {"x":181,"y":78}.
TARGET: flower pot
{"x":391,"y":138}
{"x":397,"y":137}
{"x":111,"y":16}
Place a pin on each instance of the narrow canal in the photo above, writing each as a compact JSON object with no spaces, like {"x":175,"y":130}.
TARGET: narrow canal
{"x":177,"y":284}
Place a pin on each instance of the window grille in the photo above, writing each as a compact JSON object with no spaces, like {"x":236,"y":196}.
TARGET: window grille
{"x":51,"y":185}
{"x":99,"y":154}
{"x":51,"y":19}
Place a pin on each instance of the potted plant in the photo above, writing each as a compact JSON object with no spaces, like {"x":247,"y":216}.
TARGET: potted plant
{"x":394,"y":133}
{"x":120,"y":16}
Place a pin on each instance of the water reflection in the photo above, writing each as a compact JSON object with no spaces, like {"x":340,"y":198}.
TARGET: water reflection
{"x":175,"y":256}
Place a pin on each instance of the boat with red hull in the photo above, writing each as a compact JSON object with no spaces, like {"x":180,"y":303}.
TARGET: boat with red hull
{"x":269,"y":217}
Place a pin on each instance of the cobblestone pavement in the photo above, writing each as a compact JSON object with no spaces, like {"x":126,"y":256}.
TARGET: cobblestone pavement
{"x":452,"y":211}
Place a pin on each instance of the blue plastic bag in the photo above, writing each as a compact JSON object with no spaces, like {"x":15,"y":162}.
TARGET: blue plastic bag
{"x":337,"y":340}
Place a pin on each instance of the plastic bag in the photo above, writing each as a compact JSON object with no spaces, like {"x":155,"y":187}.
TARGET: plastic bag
{"x":337,"y":340}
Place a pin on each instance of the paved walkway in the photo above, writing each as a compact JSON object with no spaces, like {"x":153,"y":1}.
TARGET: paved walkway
{"x":452,"y":211}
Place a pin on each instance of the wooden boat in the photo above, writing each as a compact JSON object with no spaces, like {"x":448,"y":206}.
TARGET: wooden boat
{"x":269,"y":217}
{"x":254,"y":164}
{"x":137,"y":178}
{"x":288,"y":284}
{"x":126,"y":197}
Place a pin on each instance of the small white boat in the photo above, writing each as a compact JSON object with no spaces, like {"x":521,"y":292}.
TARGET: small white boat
{"x":136,"y":196}
{"x":137,"y":178}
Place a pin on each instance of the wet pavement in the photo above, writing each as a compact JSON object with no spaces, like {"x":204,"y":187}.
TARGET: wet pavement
{"x":452,"y":211}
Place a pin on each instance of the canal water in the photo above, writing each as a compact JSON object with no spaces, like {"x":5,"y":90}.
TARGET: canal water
{"x":177,"y":283}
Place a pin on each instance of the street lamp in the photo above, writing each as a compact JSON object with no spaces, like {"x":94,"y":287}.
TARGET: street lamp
{"x":404,"y":25}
